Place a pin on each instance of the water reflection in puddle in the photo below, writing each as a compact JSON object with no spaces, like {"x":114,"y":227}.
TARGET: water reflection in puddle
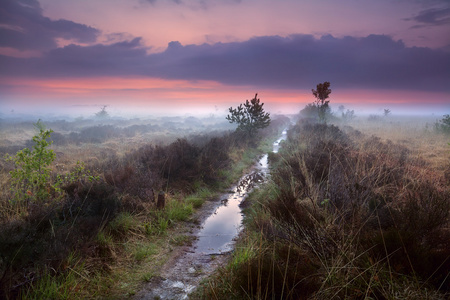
{"x":221,"y":227}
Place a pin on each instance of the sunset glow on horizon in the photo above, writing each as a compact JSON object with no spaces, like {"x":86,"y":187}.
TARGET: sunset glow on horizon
{"x":191,"y":55}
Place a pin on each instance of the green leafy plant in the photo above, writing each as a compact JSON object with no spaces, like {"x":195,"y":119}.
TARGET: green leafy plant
{"x":31,"y":179}
{"x":31,"y":175}
{"x":78,"y":174}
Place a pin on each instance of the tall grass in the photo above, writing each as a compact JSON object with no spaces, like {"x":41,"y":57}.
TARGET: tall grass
{"x":346,"y":216}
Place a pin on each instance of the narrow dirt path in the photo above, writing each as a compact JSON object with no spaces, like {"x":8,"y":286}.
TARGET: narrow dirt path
{"x":214,"y":240}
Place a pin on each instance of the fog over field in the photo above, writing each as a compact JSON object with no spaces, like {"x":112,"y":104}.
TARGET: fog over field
{"x":323,"y":126}
{"x":71,"y":112}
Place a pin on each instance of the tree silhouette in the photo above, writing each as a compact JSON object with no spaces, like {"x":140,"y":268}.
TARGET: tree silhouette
{"x":102,"y":114}
{"x":249,"y":116}
{"x":322,"y":93}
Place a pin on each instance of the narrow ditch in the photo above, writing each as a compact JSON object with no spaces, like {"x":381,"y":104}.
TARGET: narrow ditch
{"x":214,"y":239}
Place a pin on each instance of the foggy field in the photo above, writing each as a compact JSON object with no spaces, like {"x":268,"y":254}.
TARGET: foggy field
{"x":99,"y":233}
{"x":93,"y":139}
{"x":417,"y":133}
{"x":96,"y":202}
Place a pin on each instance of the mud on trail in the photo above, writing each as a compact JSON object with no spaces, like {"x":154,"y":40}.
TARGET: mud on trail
{"x":221,"y":222}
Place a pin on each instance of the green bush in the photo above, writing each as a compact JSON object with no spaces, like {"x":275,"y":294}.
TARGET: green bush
{"x":31,"y":177}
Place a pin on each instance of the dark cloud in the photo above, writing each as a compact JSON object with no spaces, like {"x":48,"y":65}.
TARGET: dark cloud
{"x":22,"y":26}
{"x":432,"y":17}
{"x":154,"y":1}
{"x":193,"y":4}
{"x":123,"y":58}
{"x":298,"y":61}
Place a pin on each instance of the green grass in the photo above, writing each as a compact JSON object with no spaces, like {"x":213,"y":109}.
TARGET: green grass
{"x":148,"y":276}
{"x":144,"y":250}
{"x":69,"y":284}
{"x":181,"y":240}
{"x":163,"y":224}
{"x":157,"y":227}
{"x":104,"y":239}
{"x":199,"y":197}
{"x":178,"y":211}
{"x":122,"y":223}
{"x":49,"y":287}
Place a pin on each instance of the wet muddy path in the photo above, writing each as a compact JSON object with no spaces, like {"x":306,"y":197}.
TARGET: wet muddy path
{"x":214,"y":239}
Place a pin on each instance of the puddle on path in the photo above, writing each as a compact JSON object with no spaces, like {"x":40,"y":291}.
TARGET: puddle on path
{"x":276,"y":145}
{"x":215,"y":237}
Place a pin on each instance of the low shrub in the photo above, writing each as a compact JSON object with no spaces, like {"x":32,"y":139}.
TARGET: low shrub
{"x":443,"y":125}
{"x":346,"y":216}
{"x":58,"y":139}
{"x":98,"y":134}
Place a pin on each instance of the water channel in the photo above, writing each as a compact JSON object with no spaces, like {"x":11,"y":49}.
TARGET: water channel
{"x":214,"y":238}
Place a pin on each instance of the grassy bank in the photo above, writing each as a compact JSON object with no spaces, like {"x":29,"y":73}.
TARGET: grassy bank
{"x":345,"y":216}
{"x":98,"y":233}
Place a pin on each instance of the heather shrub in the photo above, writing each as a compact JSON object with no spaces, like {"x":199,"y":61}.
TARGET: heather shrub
{"x":88,"y":214}
{"x":98,"y":134}
{"x":213,"y":158}
{"x":179,"y":165}
{"x":131,"y":131}
{"x":58,"y":139}
{"x":357,"y":212}
{"x":364,"y":187}
{"x":97,"y":200}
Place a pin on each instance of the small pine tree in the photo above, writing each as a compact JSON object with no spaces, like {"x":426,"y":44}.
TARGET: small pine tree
{"x":102,"y":114}
{"x":249,"y":116}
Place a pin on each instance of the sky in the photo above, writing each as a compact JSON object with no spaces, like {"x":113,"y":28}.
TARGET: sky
{"x":185,"y":56}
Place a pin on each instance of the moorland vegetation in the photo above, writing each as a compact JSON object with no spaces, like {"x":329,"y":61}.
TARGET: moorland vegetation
{"x":355,"y":207}
{"x":350,"y":212}
{"x":78,"y":208}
